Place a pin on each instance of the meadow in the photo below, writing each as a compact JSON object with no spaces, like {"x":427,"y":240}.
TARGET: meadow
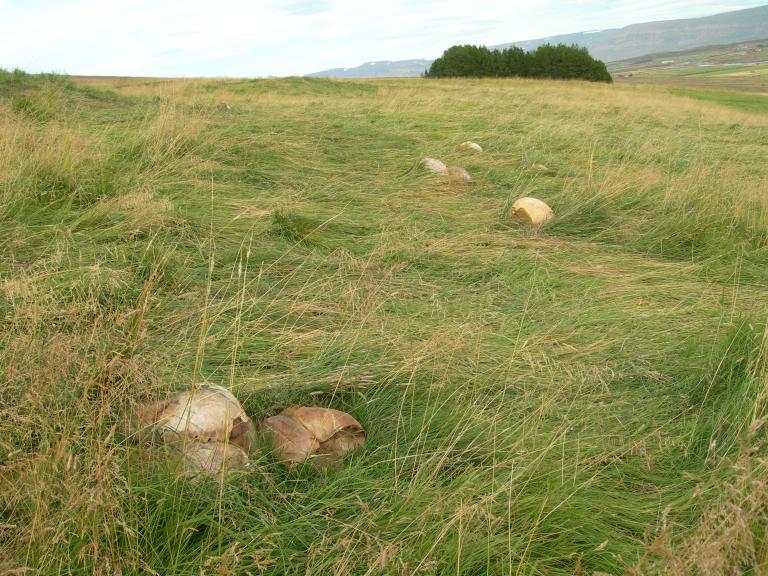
{"x":588,"y":400}
{"x":740,"y":68}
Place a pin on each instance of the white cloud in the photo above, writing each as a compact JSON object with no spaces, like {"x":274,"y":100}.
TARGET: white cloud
{"x":273,"y":37}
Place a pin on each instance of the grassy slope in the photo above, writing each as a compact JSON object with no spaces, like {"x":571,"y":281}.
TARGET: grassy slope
{"x":735,"y":68}
{"x":741,"y":53}
{"x":748,"y":102}
{"x":588,"y":400}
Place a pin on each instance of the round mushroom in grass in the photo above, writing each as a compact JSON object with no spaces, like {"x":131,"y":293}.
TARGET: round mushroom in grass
{"x":302,"y":433}
{"x":210,"y":458}
{"x":469,"y":146}
{"x":458,"y":174}
{"x":531,"y":212}
{"x":435,"y":166}
{"x":454,"y":173}
{"x":207,"y":425}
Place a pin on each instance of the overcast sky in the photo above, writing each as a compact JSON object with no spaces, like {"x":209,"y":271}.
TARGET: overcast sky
{"x":274,"y":37}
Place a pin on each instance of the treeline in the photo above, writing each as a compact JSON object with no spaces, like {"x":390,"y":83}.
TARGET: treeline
{"x":547,"y":61}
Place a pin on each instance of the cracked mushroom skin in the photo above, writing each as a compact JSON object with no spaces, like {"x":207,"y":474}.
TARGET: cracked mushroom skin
{"x":206,"y":414}
{"x":532,"y":212}
{"x":302,"y":432}
{"x":291,"y":441}
{"x":213,"y":458}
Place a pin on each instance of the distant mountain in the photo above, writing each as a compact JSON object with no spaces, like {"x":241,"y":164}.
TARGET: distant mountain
{"x":612,"y":44}
{"x":665,"y":36}
{"x":382,"y":69}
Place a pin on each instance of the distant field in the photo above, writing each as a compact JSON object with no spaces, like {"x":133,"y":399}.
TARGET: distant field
{"x":751,"y":79}
{"x":749,"y":102}
{"x":740,"y":67}
{"x":590,"y":400}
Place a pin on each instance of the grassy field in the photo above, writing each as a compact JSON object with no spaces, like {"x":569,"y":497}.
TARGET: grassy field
{"x":591,"y":400}
{"x":741,"y":67}
{"x":749,"y":102}
{"x":746,"y":79}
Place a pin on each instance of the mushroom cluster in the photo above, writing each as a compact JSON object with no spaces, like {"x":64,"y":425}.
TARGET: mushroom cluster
{"x":531,"y":213}
{"x":209,"y":429}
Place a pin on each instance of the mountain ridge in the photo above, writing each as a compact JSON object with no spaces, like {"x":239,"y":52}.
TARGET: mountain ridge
{"x":610,"y":45}
{"x":377,"y":69}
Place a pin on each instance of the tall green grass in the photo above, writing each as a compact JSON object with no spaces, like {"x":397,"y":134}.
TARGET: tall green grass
{"x":591,"y":399}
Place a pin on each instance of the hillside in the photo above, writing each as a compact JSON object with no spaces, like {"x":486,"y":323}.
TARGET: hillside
{"x":737,"y":54}
{"x":589,"y":399}
{"x":614,"y":44}
{"x":739,"y":67}
{"x":384,"y":69}
{"x":665,"y":36}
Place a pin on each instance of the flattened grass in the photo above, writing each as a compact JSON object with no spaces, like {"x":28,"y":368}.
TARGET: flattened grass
{"x":591,"y":399}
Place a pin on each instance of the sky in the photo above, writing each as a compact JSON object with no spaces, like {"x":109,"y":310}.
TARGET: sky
{"x":249,"y":38}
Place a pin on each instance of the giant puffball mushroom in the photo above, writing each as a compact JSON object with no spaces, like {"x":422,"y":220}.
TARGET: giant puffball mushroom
{"x":212,"y":457}
{"x":435,"y":166}
{"x":303,"y":432}
{"x":532,"y":212}
{"x":470,"y":146}
{"x":291,"y":441}
{"x":457,"y":173}
{"x":205,"y":414}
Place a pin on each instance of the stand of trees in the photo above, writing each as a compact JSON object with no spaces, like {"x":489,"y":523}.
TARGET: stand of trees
{"x":547,"y":61}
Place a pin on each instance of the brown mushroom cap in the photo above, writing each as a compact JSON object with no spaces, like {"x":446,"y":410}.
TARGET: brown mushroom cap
{"x":290,"y":440}
{"x":341,"y":444}
{"x":458,"y":174}
{"x":532,"y":211}
{"x":301,"y":432}
{"x":323,"y":422}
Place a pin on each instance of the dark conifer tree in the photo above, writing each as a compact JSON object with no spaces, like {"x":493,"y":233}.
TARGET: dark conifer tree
{"x":547,"y":61}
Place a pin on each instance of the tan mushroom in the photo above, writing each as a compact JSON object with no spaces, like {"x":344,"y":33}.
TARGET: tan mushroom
{"x":435,"y":166}
{"x":303,"y":432}
{"x":205,"y":414}
{"x":470,"y":146}
{"x":458,"y":174}
{"x":532,"y":212}
{"x":539,"y":167}
{"x":213,"y":458}
{"x":207,"y":425}
{"x":291,"y":441}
